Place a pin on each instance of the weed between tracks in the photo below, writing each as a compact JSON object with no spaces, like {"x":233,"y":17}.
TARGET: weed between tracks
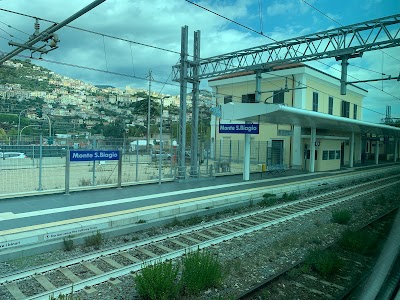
{"x":198,"y":271}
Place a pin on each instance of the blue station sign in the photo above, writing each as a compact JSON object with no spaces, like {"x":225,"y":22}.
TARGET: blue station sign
{"x":239,"y":128}
{"x":91,"y":155}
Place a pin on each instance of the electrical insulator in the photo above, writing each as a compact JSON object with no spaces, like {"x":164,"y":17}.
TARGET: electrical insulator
{"x":37,"y":25}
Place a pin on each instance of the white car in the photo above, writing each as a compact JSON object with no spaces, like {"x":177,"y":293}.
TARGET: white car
{"x":164,"y":155}
{"x":7,"y":155}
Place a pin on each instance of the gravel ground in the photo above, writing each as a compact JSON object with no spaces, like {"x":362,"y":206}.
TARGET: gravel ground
{"x":246,"y":260}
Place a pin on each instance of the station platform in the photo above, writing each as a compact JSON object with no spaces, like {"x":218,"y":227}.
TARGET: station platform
{"x":28,"y":223}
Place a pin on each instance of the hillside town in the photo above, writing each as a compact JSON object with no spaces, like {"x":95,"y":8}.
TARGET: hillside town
{"x":77,"y":107}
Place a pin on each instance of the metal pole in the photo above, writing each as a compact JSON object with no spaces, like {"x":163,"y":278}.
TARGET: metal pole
{"x":148,"y":114}
{"x":94,"y":173}
{"x":67,"y":172}
{"x":137,"y":160}
{"x":161,"y":146}
{"x":119,"y":170}
{"x":351,"y":152}
{"x":40,"y":162}
{"x":195,"y":107}
{"x":49,"y":125}
{"x":182,"y":104}
{"x":19,"y":125}
{"x":343,"y":79}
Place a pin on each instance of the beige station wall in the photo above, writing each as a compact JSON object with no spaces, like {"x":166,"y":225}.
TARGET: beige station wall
{"x":232,"y":145}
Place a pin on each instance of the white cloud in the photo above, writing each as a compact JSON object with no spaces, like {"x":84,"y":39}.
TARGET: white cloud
{"x":159,"y":23}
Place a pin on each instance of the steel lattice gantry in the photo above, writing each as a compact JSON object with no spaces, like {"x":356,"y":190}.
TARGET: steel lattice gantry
{"x":348,"y":40}
{"x":342,"y":43}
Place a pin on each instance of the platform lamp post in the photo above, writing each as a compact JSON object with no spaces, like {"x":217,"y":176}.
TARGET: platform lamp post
{"x":19,"y":125}
{"x":19,"y":136}
{"x":161,"y":142}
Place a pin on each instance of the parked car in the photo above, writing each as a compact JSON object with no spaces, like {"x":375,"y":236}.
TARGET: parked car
{"x":8,"y":155}
{"x":164,"y":155}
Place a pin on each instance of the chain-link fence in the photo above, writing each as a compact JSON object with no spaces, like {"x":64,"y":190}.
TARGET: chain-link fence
{"x":31,"y":164}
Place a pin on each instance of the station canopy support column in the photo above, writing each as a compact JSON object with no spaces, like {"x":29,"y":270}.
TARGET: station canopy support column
{"x":351,"y":153}
{"x":377,"y":152}
{"x":396,"y":149}
{"x":313,"y":140}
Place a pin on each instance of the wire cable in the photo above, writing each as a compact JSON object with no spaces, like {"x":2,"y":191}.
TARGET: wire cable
{"x":94,"y":32}
{"x":338,"y":22}
{"x":260,"y":33}
{"x":92,"y":69}
{"x":14,"y":28}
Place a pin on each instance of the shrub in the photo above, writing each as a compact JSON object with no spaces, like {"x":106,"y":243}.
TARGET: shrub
{"x":84,"y":182}
{"x":68,"y":243}
{"x":290,"y":197}
{"x":269,"y":195}
{"x":158,"y":282}
{"x":324,"y":262}
{"x":268,"y":200}
{"x":201,"y":270}
{"x":94,"y":240}
{"x":359,"y":242}
{"x":341,"y":216}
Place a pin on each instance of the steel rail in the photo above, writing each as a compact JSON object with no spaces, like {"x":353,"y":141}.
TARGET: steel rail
{"x":160,"y":238}
{"x":95,"y":280}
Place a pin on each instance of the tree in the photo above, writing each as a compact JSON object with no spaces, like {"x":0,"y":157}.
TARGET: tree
{"x":3,"y":135}
{"x":115,"y":130}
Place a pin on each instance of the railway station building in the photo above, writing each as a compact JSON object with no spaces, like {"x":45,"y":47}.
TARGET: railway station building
{"x":304,"y":121}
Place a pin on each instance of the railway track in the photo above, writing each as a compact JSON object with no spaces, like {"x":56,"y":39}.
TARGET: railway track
{"x":84,"y":273}
{"x":300,"y":282}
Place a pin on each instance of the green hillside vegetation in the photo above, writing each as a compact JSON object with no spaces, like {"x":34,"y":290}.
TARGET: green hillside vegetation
{"x":18,"y":76}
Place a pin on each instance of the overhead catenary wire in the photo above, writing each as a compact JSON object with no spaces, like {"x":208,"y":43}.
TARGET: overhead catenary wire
{"x":261,"y":33}
{"x":12,"y":27}
{"x":93,"y":69}
{"x":94,"y":32}
{"x":330,"y":18}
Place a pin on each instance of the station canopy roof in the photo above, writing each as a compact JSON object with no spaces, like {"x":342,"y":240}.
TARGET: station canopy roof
{"x":281,"y":114}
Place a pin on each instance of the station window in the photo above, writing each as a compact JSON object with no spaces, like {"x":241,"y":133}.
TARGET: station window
{"x":315,"y":101}
{"x":330,"y":106}
{"x":332,"y":154}
{"x":249,"y":98}
{"x":337,"y":154}
{"x":279,"y":97}
{"x":355,"y":111}
{"x":325,"y":155}
{"x":227,"y":99}
{"x":345,"y":109}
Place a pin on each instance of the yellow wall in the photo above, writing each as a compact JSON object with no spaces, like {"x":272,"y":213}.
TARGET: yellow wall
{"x":268,"y":132}
{"x":328,"y":90}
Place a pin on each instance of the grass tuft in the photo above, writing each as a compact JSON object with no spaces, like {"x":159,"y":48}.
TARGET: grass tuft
{"x":341,"y":216}
{"x":326,"y":263}
{"x":94,"y":240}
{"x":68,"y":243}
{"x":158,"y":282}
{"x":201,"y":270}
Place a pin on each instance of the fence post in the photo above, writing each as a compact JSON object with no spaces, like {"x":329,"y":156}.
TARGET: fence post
{"x":40,"y":162}
{"x":119,"y":169}
{"x":137,"y":160}
{"x":67,"y":172}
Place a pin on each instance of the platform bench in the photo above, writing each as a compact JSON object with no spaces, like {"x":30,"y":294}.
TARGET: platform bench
{"x":278,"y":168}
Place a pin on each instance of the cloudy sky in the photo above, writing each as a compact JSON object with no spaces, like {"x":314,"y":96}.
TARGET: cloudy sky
{"x":119,"y":41}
